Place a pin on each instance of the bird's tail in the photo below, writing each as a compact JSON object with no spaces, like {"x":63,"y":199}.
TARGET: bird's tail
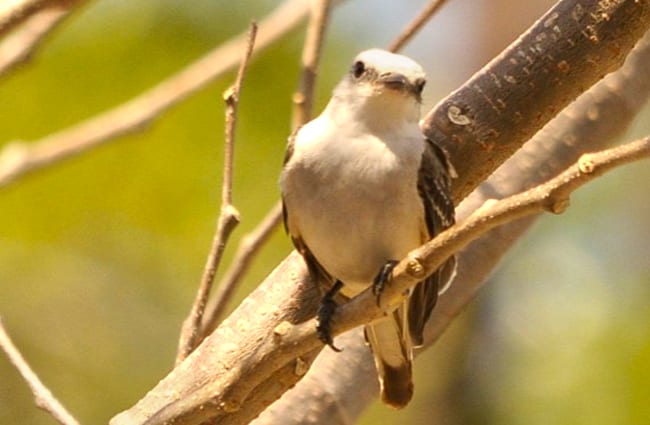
{"x":392,"y":349}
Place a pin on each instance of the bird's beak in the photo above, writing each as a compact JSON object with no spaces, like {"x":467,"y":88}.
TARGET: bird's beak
{"x":398,"y":82}
{"x":395,"y":81}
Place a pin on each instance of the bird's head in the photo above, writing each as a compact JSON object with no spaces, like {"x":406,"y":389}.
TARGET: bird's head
{"x":381,"y":85}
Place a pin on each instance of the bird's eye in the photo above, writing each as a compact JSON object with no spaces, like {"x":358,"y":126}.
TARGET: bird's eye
{"x":419,"y":85}
{"x":358,"y":69}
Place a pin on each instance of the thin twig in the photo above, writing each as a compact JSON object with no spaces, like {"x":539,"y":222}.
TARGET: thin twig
{"x":415,"y":25}
{"x":18,"y":46}
{"x":248,"y":248}
{"x":228,"y":217}
{"x":15,"y":13}
{"x":43,"y":397}
{"x":303,"y":99}
{"x":18,"y":159}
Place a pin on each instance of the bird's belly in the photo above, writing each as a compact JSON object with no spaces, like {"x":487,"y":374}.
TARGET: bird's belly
{"x":352,"y":233}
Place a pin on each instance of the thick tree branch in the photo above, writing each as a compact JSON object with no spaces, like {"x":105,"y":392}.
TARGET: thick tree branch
{"x":18,"y":159}
{"x":42,"y":396}
{"x":591,"y":123}
{"x":228,"y":354}
{"x":565,"y":52}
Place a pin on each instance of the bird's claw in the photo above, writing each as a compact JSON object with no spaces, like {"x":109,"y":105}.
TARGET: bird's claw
{"x":325,"y":313}
{"x":384,"y":276}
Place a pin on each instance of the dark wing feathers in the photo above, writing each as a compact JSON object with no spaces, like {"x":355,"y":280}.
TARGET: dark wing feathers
{"x":434,"y":184}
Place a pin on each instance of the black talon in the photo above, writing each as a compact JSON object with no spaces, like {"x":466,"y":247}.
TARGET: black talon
{"x":382,"y":278}
{"x":325,"y":313}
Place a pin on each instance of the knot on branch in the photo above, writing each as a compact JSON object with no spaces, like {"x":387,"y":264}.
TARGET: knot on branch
{"x":298,"y":98}
{"x":586,"y":164}
{"x":415,"y":268}
{"x":231,"y":213}
{"x":456,"y":116}
{"x":230,"y":406}
{"x":282,"y":329}
{"x":231,"y":95}
{"x":301,"y":366}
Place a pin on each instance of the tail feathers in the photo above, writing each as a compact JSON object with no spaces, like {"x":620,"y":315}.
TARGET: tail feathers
{"x":397,"y":385}
{"x":393,"y":353}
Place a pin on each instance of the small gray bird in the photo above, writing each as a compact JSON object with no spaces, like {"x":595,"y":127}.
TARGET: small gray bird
{"x":361,"y":187}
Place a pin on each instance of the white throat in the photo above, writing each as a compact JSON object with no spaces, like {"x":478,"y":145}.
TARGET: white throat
{"x":378,"y":111}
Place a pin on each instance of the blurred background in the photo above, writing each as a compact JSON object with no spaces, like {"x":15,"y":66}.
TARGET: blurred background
{"x":100,"y":256}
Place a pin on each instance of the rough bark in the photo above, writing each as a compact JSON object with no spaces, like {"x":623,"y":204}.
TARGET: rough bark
{"x":565,"y":52}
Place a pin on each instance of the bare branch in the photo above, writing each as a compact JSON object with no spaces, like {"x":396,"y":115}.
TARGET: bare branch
{"x":17,"y":159}
{"x":486,"y":120}
{"x":43,"y":398}
{"x":18,"y":46}
{"x":227,"y":376}
{"x":15,"y":13}
{"x":228,"y":217}
{"x":303,"y":100}
{"x":248,"y":248}
{"x":415,"y":25}
{"x":231,"y":97}
{"x":335,"y":391}
{"x":225,"y":356}
{"x":592,"y":122}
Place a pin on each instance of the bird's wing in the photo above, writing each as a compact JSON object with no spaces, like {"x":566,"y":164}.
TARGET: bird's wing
{"x":434,"y":184}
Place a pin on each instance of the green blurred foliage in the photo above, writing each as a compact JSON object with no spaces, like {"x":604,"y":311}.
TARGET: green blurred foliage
{"x":100,"y":255}
{"x":562,"y":336}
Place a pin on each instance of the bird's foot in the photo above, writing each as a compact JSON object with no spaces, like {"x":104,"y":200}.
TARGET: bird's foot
{"x":325,"y":312}
{"x":383,"y":277}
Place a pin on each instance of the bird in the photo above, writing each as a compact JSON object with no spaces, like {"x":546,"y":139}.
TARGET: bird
{"x":362,"y":186}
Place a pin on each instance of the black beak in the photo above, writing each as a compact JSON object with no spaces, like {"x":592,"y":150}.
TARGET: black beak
{"x":398,"y":82}
{"x":395,"y":81}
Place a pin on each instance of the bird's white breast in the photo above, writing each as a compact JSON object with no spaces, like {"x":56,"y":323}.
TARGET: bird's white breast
{"x":352,"y":197}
